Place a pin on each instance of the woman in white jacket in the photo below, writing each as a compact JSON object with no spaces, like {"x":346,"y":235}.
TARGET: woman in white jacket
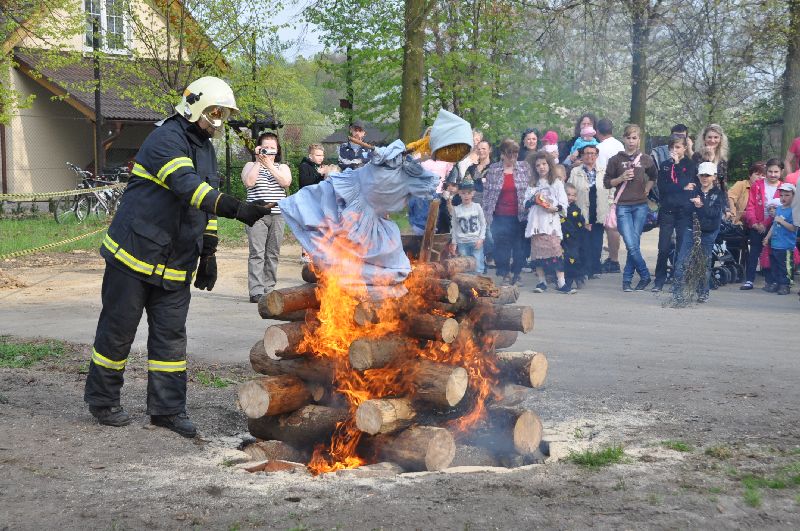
{"x":547,"y":200}
{"x":593,"y":200}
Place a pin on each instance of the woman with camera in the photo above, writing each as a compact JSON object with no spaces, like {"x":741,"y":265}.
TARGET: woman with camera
{"x":265,"y":179}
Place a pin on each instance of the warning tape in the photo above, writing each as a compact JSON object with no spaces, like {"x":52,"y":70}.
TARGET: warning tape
{"x":17,"y":254}
{"x":50,"y":195}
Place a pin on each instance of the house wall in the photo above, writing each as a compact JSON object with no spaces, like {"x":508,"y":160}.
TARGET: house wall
{"x":42,"y":138}
{"x":150,"y":20}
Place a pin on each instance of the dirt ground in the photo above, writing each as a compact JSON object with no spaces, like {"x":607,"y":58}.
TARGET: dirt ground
{"x":720,"y":378}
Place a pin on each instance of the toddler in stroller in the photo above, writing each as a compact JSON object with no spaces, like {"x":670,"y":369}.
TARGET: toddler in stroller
{"x":728,"y":255}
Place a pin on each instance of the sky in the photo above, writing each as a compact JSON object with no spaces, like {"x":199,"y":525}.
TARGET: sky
{"x":302,"y":34}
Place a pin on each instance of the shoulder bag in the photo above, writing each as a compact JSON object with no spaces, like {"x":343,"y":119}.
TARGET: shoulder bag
{"x":611,"y":218}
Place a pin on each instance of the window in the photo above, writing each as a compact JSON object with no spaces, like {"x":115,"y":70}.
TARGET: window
{"x":109,"y":15}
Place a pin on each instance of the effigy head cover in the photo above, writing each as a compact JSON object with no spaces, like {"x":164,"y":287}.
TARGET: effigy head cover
{"x":451,"y":137}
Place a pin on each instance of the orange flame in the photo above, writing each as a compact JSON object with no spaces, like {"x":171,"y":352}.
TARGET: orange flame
{"x":341,"y":288}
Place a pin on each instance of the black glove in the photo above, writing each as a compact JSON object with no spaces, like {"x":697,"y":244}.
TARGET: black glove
{"x":206,"y":273}
{"x":248,"y":213}
{"x":209,"y":244}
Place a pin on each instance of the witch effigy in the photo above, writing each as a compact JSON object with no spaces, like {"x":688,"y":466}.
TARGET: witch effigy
{"x":353,"y":206}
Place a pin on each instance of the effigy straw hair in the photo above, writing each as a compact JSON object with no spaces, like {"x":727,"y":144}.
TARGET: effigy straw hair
{"x":694,"y":272}
{"x":421,"y":146}
{"x":452,"y":153}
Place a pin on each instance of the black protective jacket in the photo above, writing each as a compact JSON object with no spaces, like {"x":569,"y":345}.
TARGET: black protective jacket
{"x":157,"y":233}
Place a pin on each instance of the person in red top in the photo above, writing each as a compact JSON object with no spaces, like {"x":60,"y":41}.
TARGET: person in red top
{"x":504,"y":209}
{"x":756,"y":218}
{"x":792,"y":160}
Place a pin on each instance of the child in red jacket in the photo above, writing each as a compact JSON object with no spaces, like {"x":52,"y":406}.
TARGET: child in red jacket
{"x":756,"y":218}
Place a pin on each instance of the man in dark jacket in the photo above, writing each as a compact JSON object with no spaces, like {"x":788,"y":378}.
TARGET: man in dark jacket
{"x":167,"y":220}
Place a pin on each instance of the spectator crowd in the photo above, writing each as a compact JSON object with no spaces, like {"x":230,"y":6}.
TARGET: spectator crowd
{"x":552,"y":207}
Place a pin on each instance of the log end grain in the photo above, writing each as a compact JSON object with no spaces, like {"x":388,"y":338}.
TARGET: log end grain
{"x":275,"y":340}
{"x":526,"y":319}
{"x":451,"y":293}
{"x":273,"y":302}
{"x":253,"y":399}
{"x":527,"y":433}
{"x":449,"y":330}
{"x":441,"y":450}
{"x":456,"y":386}
{"x":538,"y":370}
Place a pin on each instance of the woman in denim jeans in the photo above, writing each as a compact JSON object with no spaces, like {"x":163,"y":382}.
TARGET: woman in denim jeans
{"x":637,"y":172}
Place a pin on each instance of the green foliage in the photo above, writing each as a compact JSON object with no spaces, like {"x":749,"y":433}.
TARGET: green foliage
{"x":16,"y":355}
{"x":752,"y":496}
{"x":599,"y":458}
{"x":746,"y":138}
{"x":209,"y":379}
{"x":678,"y":446}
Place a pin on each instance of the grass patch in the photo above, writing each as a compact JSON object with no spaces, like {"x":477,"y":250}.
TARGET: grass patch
{"x":678,"y":446}
{"x":752,"y":497}
{"x":596,"y":459}
{"x":18,"y":355}
{"x":751,"y":481}
{"x":209,"y":379}
{"x":719,"y":452}
{"x":231,"y":232}
{"x":401,"y":218}
{"x":36,"y":230}
{"x":716,"y":490}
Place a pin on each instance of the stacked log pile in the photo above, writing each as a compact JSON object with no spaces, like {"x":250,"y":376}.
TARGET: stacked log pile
{"x":457,"y":409}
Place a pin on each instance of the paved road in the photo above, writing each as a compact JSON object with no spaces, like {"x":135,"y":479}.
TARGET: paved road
{"x":732,"y":361}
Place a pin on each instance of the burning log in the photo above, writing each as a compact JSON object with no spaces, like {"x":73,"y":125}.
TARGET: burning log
{"x":272,"y":395}
{"x":459,"y":264}
{"x":285,"y":300}
{"x":507,"y":295}
{"x":365,"y":313}
{"x":310,"y":369}
{"x":435,"y":289}
{"x":373,"y":353}
{"x":472,"y":284}
{"x":503,"y":317}
{"x":267,"y":450}
{"x":299,"y":315}
{"x":384,"y":415}
{"x":526,"y":368}
{"x":438,"y":384}
{"x":308,"y":274}
{"x":302,"y":428}
{"x":429,"y":269}
{"x":506,"y":431}
{"x":283,"y":341}
{"x":433,"y":327}
{"x":417,"y":448}
{"x":503,"y":338}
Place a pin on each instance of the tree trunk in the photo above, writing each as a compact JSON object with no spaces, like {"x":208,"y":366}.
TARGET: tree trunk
{"x":284,"y":300}
{"x":440,"y":385}
{"x":640,"y":32}
{"x":302,"y":428}
{"x":384,"y":415}
{"x":318,"y":370}
{"x":503,"y":317}
{"x":413,"y":70}
{"x":272,"y":395}
{"x":433,"y":327}
{"x":283,"y":341}
{"x":417,"y":448}
{"x":476,"y":285}
{"x":434,"y":289}
{"x":373,"y":353}
{"x":526,"y":368}
{"x":503,"y":338}
{"x":791,"y":79}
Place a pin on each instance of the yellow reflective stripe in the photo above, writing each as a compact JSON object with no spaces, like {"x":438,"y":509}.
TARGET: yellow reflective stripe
{"x":212,"y":224}
{"x":174,"y":274}
{"x":134,"y":263}
{"x":110,"y":244}
{"x":139,"y":171}
{"x":101,"y":360}
{"x":200,"y":194}
{"x":166,"y":366}
{"x":178,"y":162}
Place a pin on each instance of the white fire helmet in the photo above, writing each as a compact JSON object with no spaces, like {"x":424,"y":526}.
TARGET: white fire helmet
{"x":208,"y":97}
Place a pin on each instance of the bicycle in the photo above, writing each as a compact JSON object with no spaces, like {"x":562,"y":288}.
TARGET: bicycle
{"x":100,"y":204}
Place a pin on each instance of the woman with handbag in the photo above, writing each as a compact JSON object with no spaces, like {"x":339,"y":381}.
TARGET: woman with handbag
{"x":633,"y":174}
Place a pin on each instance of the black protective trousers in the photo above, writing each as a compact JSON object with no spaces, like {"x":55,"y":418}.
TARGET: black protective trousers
{"x":124,"y":300}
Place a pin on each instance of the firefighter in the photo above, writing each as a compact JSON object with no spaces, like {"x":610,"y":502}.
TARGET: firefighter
{"x":166,"y":220}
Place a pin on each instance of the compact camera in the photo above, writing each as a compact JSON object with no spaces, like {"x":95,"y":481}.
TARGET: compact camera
{"x":267,"y":151}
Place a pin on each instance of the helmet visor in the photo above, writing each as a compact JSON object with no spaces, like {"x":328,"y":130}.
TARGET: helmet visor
{"x":216,"y":115}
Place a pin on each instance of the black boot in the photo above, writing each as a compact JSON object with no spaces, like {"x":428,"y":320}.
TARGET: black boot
{"x":110,"y":416}
{"x":179,"y":423}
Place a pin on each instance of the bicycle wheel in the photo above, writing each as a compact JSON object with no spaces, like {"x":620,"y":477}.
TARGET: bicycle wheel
{"x":100,"y":210}
{"x":64,"y":209}
{"x":83,"y":208}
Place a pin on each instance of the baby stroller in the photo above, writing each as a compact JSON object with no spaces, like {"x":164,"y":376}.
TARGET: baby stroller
{"x":729,"y":255}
